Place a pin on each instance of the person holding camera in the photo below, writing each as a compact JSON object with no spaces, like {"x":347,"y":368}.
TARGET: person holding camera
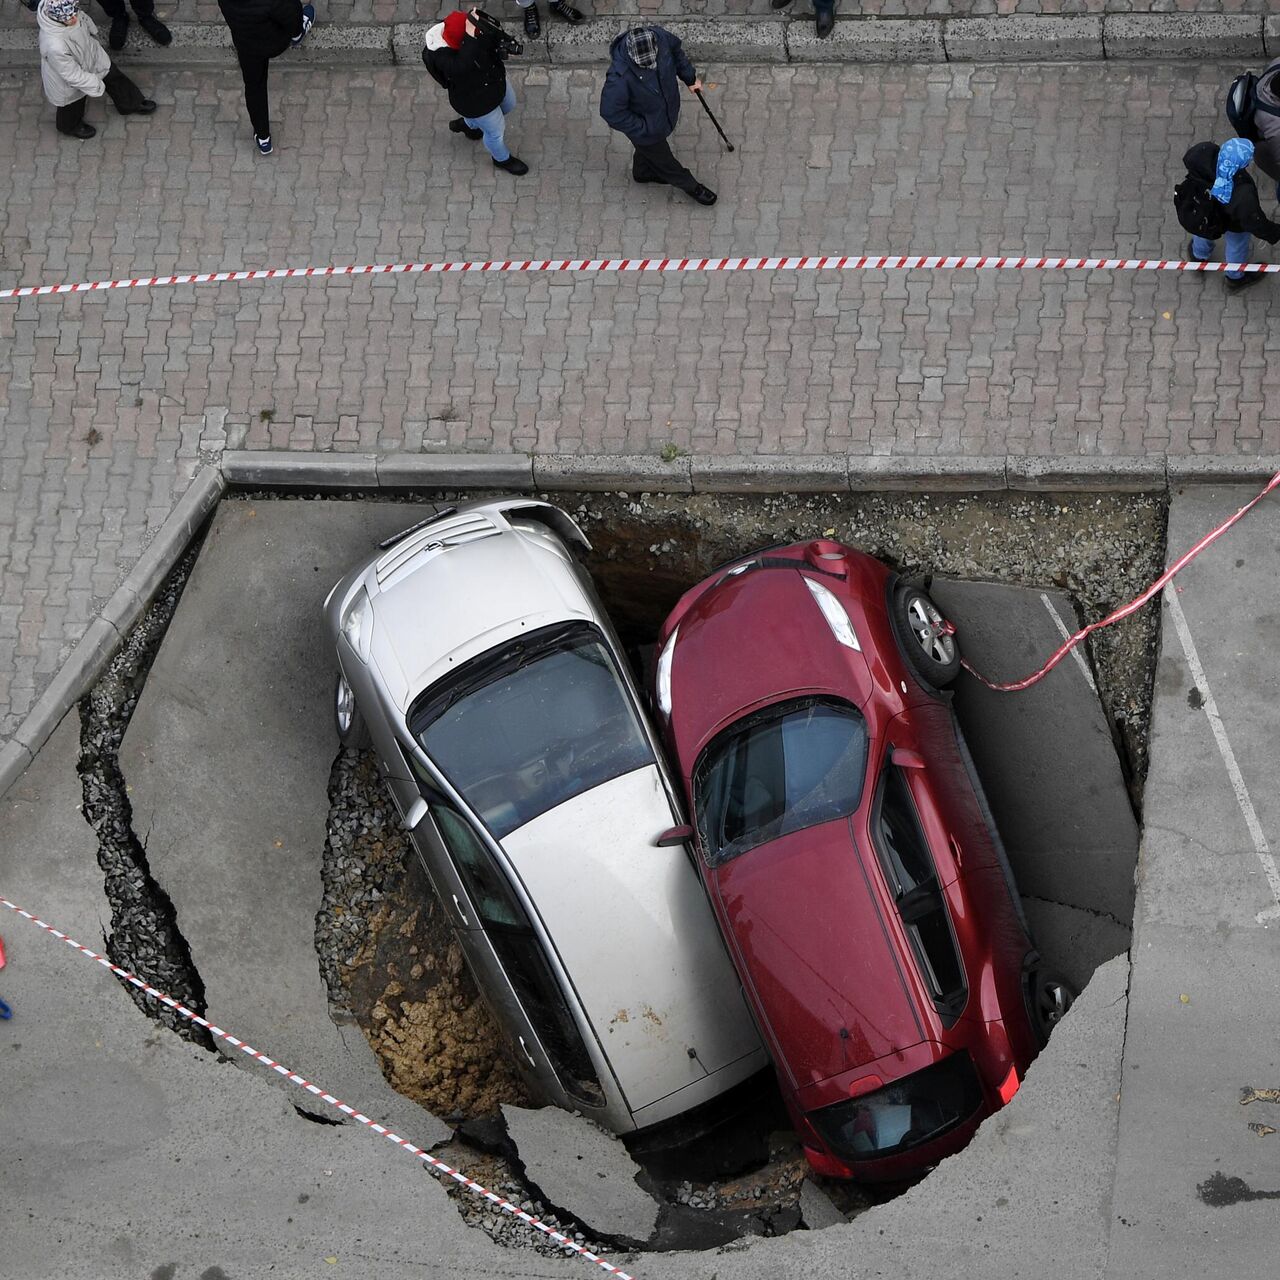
{"x":641,"y":99}
{"x":474,"y":73}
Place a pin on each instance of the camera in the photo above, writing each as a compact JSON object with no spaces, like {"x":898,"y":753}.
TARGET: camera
{"x":507,"y":45}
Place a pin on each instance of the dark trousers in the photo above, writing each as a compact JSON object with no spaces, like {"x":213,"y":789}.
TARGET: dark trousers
{"x":115,"y":8}
{"x":655,"y":163}
{"x":124,"y":94}
{"x":254,"y":68}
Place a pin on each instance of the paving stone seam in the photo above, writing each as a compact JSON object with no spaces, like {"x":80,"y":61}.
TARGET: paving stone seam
{"x":764,"y":39}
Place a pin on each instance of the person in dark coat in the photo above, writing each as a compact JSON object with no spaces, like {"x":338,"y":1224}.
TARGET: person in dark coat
{"x":262,"y":30}
{"x":641,"y":99}
{"x":467,"y":61}
{"x":1232,"y":200}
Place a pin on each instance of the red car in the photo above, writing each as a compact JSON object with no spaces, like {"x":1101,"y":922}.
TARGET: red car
{"x":849,"y":854}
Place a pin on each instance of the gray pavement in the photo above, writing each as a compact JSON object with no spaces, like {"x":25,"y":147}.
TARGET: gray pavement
{"x":109,"y":403}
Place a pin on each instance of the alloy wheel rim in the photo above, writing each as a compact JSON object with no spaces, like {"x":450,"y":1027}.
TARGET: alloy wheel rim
{"x":344,"y":705}
{"x":929,"y":628}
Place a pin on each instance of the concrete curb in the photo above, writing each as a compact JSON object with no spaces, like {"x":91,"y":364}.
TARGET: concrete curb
{"x":758,"y":38}
{"x":628,"y":473}
{"x":105,"y":634}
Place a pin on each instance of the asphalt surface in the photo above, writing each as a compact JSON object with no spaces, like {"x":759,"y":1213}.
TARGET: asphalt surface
{"x":171,"y":1120}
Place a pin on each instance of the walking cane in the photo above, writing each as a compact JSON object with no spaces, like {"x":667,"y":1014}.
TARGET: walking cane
{"x":714,"y":121}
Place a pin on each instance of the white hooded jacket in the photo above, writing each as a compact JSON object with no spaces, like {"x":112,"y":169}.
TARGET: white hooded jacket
{"x":72,"y":62}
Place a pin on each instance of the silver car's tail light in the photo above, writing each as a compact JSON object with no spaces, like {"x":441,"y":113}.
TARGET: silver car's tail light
{"x":357,"y":625}
{"x":835,"y":615}
{"x":662,"y":673}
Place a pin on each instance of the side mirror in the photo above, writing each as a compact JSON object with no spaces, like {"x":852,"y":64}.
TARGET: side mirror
{"x":415,"y":813}
{"x":906,"y":759}
{"x":674,"y":836}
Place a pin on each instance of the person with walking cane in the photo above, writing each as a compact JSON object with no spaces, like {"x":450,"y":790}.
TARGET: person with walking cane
{"x":641,"y":100}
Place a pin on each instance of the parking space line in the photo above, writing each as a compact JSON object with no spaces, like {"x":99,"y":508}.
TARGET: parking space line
{"x":439,"y":1166}
{"x":1066,"y":635}
{"x":1260,"y":845}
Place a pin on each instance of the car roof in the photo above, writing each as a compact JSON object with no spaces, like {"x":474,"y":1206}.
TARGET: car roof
{"x":634,"y":931}
{"x":751,"y":639}
{"x":827,"y":972}
{"x":449,"y":603}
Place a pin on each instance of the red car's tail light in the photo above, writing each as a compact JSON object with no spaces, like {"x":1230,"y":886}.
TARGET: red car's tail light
{"x":903,"y":1115}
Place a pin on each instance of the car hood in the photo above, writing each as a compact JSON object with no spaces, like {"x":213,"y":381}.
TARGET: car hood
{"x":636,"y":936}
{"x":753,"y":639}
{"x":462,"y":600}
{"x":802,"y":915}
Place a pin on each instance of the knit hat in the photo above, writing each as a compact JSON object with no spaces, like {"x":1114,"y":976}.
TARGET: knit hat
{"x":62,"y":10}
{"x":642,"y":47}
{"x":455,"y":27}
{"x":1234,"y":154}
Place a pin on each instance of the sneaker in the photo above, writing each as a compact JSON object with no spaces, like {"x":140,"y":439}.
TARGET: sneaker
{"x":156,"y":29}
{"x":82,"y":131}
{"x":532,"y":23}
{"x":703,"y":195}
{"x":512,"y":165}
{"x":119,"y":32}
{"x":565,"y":11}
{"x":461,"y":126}
{"x":308,"y":21}
{"x":264,"y":144}
{"x":1246,"y":281}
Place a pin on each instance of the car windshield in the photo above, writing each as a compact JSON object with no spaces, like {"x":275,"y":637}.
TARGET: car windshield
{"x":790,"y":766}
{"x":529,"y":725}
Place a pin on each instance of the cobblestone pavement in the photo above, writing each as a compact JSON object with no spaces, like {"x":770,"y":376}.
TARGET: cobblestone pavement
{"x":421,"y":10}
{"x":106,"y":402}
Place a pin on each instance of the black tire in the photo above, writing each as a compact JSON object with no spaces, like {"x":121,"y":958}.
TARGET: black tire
{"x":933,"y":653}
{"x":1049,"y":996}
{"x":347,"y":720}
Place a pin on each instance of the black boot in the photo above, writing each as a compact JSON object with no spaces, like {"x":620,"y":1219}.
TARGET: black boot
{"x":82,"y":131}
{"x":565,"y":11}
{"x":780,"y":4}
{"x":532,"y":23}
{"x":513,"y":165}
{"x":703,"y":195}
{"x":156,"y":29}
{"x":826,"y":23}
{"x":460,"y":126}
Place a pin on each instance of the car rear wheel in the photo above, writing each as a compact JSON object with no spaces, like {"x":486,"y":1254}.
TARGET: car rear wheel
{"x":1049,"y":998}
{"x":352,"y":730}
{"x":930,"y":644}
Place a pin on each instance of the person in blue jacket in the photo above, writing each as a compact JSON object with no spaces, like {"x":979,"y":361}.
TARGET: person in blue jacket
{"x":641,"y":99}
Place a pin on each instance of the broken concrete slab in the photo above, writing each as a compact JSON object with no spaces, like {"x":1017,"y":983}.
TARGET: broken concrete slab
{"x":228,"y":756}
{"x":1074,"y":942}
{"x":1045,"y":755}
{"x":584,"y":1171}
{"x":816,"y":1210}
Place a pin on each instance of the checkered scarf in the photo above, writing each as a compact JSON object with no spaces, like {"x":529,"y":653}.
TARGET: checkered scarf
{"x":642,"y":47}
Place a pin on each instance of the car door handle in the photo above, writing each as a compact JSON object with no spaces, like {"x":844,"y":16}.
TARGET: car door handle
{"x":956,"y":852}
{"x":524,"y":1048}
{"x":462,"y":915}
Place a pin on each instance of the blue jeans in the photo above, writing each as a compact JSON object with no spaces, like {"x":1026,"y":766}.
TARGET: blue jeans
{"x":493,"y":126}
{"x":1238,"y":245}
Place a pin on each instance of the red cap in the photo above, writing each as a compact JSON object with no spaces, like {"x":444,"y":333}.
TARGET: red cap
{"x":455,"y":27}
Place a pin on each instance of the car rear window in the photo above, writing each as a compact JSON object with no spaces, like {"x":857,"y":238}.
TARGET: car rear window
{"x":531,"y":724}
{"x":791,"y":766}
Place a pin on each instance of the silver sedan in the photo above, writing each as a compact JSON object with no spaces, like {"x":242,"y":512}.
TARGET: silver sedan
{"x":477,"y":660}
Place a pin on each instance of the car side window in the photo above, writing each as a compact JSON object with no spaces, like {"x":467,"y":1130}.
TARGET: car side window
{"x":908,"y":865}
{"x":486,"y":886}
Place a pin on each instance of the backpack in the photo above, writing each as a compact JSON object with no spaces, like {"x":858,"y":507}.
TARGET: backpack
{"x":1198,"y":212}
{"x":1242,"y":102}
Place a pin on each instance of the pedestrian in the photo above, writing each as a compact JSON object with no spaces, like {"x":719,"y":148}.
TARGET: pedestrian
{"x":1218,"y":199}
{"x":118,"y":32}
{"x":468,"y":59}
{"x":74,"y":67}
{"x":262,"y":30}
{"x":641,"y":99}
{"x":824,"y":12}
{"x":1266,"y":123}
{"x":533,"y":23}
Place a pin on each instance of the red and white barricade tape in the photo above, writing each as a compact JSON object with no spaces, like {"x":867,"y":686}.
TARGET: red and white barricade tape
{"x":847,"y":262}
{"x":1015,"y":686}
{"x":293,"y":1077}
